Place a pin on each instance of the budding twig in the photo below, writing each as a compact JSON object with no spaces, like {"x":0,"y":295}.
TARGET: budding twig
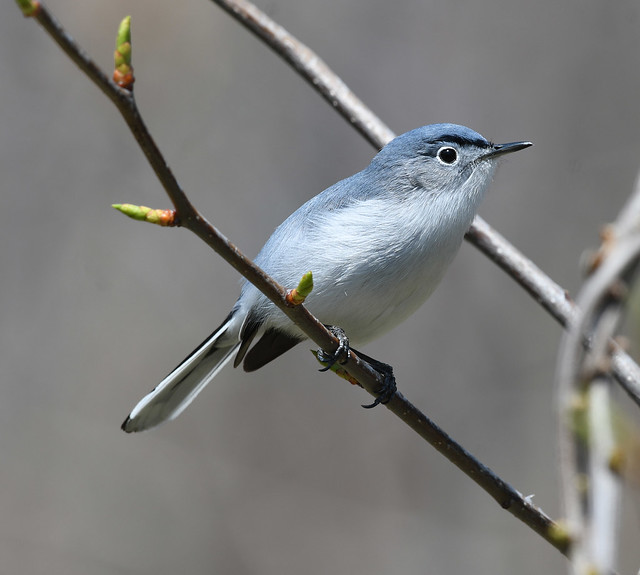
{"x":165,"y":218}
{"x":297,"y":295}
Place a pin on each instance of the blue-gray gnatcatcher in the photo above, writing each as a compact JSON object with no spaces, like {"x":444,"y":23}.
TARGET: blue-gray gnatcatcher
{"x":377,"y":243}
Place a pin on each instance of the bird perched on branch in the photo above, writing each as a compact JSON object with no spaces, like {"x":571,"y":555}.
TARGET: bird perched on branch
{"x":378,"y":243}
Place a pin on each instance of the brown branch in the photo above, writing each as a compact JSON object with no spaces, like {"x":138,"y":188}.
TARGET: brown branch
{"x":506,"y":496}
{"x":187,"y":216}
{"x":541,"y":287}
{"x":307,"y":63}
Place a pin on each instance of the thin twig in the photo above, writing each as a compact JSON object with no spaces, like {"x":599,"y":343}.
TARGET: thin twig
{"x":312,"y":68}
{"x":188,"y":217}
{"x":506,"y":496}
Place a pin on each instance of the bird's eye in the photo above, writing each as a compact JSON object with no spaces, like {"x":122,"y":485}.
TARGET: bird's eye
{"x":447,"y":155}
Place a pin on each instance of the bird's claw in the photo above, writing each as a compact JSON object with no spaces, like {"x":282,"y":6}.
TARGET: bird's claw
{"x":389,"y":386}
{"x":340,"y":354}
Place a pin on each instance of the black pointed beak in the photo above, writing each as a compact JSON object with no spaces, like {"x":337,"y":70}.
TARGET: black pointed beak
{"x":500,"y":149}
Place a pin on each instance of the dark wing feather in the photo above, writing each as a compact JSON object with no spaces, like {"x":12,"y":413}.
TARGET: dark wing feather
{"x":271,"y":345}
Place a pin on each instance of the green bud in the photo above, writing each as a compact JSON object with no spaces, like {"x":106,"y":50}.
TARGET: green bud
{"x":29,"y":7}
{"x":123,"y":41}
{"x":135,"y":212}
{"x":165,"y":218}
{"x":306,"y":285}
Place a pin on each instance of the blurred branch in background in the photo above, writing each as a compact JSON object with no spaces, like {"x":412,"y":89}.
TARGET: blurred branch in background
{"x":590,"y":453}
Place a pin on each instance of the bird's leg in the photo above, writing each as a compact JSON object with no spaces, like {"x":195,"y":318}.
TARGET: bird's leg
{"x":389,"y":386}
{"x":340,"y":354}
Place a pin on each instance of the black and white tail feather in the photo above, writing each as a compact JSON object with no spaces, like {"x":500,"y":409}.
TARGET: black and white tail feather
{"x":176,"y":391}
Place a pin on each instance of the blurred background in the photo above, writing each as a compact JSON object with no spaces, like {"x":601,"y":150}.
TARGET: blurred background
{"x":281,"y":471}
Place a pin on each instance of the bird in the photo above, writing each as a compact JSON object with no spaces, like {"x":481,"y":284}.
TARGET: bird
{"x":377,"y":244}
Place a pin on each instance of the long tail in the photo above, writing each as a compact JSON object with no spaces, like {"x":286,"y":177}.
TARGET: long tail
{"x":176,"y":391}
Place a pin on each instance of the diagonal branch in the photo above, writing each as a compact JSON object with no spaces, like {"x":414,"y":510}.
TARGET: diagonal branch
{"x":313,"y":69}
{"x":187,"y":216}
{"x":301,"y":58}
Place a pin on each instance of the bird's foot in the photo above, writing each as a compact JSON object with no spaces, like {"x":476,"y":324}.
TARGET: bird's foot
{"x":389,"y":386}
{"x":340,"y":354}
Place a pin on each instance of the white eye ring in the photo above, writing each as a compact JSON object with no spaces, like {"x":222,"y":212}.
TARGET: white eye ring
{"x":447,"y":155}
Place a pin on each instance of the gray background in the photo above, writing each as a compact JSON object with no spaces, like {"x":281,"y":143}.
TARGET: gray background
{"x":281,"y":471}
